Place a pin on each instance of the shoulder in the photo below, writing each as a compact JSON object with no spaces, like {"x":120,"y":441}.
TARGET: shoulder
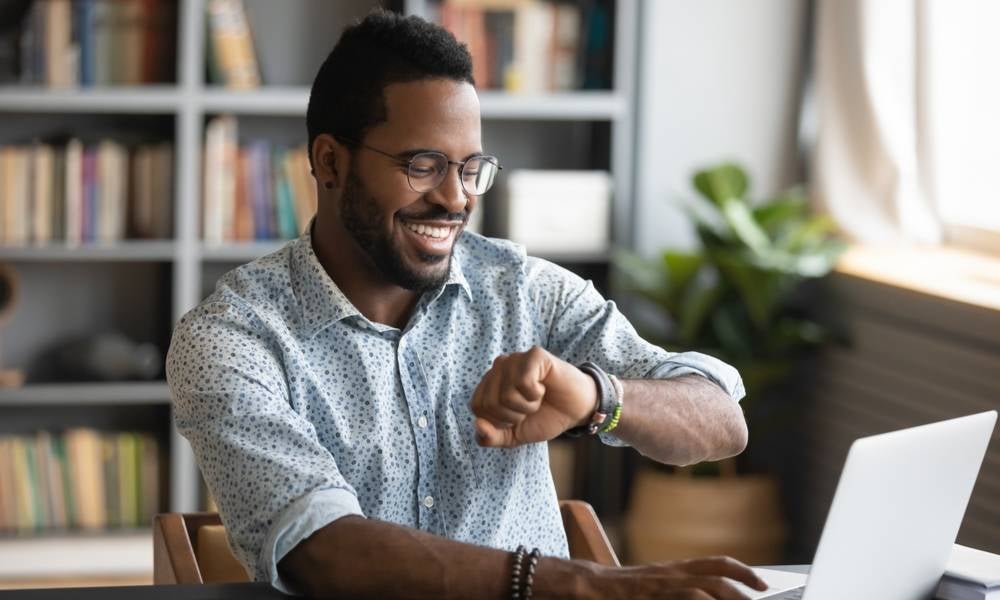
{"x":247,"y":297}
{"x":475,"y":251}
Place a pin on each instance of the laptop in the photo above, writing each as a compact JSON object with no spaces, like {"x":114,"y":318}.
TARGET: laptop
{"x":894,"y":516}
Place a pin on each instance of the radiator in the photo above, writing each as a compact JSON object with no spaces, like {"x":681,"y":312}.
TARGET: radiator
{"x":913,"y":359}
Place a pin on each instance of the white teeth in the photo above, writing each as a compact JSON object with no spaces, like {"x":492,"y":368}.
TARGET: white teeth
{"x":433,"y":232}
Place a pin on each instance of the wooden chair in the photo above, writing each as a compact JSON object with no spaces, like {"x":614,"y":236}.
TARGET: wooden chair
{"x":192,"y":547}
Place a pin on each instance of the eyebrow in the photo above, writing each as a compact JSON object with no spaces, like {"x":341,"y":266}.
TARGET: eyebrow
{"x":408,"y":154}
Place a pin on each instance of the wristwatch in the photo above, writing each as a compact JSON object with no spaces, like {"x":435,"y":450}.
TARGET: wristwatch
{"x":608,"y":402}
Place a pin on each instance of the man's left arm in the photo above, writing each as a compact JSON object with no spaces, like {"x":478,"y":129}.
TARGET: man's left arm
{"x":679,"y":408}
{"x":535,"y":396}
{"x":681,"y":421}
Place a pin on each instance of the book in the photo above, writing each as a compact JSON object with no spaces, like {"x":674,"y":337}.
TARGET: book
{"x":970,"y":574}
{"x":42,"y":188}
{"x":59,"y":52}
{"x":148,"y":455}
{"x":231,"y":56}
{"x":219,"y":196}
{"x":74,"y":193}
{"x":86,"y":466}
{"x":83,"y":28}
{"x":7,"y":508}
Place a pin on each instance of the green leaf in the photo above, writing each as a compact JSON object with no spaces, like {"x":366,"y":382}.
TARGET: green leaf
{"x":741,"y":220}
{"x":774,"y":215}
{"x":682,"y":267}
{"x":807,"y":233}
{"x":637,"y":275}
{"x":732,"y":332}
{"x":760,"y":289}
{"x":722,"y":182}
{"x":699,"y":301}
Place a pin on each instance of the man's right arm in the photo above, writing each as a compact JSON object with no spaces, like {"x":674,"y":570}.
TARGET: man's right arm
{"x":355,"y":557}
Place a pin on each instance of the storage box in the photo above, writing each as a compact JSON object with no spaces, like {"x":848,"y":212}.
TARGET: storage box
{"x":558,"y":212}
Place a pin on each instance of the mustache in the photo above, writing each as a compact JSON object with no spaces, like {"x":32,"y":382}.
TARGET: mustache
{"x":438,"y":215}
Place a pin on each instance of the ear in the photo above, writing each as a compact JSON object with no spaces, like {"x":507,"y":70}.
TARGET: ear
{"x":330,"y":161}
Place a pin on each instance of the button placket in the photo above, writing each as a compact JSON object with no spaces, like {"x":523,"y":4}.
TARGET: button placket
{"x":426,"y":439}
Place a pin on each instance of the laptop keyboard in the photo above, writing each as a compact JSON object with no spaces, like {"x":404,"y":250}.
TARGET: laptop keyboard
{"x":795,"y":594}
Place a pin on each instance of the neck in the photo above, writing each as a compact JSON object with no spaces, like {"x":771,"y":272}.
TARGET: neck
{"x":358,"y":277}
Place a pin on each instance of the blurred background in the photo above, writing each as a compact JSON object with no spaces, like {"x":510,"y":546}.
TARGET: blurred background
{"x":805,"y":188}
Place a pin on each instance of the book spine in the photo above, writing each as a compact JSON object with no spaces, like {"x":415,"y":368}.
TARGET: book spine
{"x":74,"y":192}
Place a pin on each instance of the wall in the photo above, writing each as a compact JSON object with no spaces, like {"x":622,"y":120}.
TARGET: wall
{"x":717,"y":80}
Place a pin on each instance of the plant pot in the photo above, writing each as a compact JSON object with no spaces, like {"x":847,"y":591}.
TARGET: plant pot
{"x":677,"y":516}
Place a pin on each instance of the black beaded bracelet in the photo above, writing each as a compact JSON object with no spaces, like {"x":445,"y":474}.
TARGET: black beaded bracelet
{"x":529,"y":577}
{"x":515,"y":574}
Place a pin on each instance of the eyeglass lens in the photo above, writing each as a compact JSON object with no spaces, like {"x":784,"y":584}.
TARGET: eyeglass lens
{"x":428,"y":170}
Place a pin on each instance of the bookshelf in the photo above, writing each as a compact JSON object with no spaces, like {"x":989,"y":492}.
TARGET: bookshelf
{"x":144,"y":286}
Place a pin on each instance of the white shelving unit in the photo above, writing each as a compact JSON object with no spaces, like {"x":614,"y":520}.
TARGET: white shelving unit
{"x":189,"y":104}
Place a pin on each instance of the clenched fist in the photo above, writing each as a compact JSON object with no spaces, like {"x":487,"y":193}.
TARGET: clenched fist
{"x":530,"y":397}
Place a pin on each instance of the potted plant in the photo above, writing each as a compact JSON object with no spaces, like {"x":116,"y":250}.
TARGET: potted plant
{"x":738,"y":298}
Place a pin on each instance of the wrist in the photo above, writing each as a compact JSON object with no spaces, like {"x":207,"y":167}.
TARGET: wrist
{"x":591,"y":402}
{"x":558,"y":578}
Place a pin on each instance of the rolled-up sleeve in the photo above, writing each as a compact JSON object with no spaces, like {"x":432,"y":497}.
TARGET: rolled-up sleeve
{"x":274,"y":482}
{"x":584,"y":326}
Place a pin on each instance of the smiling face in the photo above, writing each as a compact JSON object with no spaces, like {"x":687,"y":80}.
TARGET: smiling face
{"x":410,"y":236}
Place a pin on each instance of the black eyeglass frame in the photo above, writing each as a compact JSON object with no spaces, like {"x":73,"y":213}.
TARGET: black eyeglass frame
{"x":408,"y":163}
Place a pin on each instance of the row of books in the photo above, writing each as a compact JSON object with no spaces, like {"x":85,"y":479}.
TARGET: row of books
{"x":80,"y":192}
{"x":253,"y":191}
{"x":533,"y":46}
{"x":80,"y":479}
{"x":66,"y":43}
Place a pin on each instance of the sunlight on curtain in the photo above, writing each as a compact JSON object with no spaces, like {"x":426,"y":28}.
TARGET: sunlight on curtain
{"x":908,"y":106}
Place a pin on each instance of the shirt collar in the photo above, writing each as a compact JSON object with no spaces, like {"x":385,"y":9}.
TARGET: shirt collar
{"x":321,"y":300}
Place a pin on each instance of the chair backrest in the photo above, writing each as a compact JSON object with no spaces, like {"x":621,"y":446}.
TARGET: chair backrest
{"x":192,"y":547}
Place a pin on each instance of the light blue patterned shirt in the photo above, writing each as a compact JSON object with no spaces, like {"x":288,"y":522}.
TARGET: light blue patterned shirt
{"x":301,"y":411}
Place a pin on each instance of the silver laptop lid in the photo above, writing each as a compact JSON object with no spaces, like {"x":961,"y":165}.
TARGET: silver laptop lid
{"x":897,"y":510}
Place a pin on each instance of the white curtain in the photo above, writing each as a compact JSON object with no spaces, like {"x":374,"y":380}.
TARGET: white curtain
{"x":907,"y":99}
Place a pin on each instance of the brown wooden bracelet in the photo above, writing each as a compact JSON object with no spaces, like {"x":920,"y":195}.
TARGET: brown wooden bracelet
{"x":515,"y":573}
{"x":529,"y":577}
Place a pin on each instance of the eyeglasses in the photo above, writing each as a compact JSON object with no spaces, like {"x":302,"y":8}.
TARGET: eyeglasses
{"x":425,"y":171}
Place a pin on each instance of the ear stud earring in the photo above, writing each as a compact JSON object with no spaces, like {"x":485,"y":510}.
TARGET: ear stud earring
{"x":328,"y":185}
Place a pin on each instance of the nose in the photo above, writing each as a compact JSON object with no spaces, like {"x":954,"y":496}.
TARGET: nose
{"x":450,"y":194}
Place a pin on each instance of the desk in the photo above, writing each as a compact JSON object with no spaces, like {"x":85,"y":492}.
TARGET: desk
{"x":217,"y":591}
{"x":223,"y":591}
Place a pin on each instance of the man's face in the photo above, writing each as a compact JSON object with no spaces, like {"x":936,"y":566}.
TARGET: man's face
{"x":410,"y":236}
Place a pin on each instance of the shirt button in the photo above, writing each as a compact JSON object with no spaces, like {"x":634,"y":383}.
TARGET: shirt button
{"x":429,"y":502}
{"x":422,"y":422}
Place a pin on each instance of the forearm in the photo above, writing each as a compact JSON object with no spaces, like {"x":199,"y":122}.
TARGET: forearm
{"x":355,"y":557}
{"x":681,"y":421}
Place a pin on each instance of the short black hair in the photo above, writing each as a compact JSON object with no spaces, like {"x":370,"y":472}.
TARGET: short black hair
{"x":347,"y":95}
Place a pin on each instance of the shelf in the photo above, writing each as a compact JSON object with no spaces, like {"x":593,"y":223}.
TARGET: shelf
{"x":575,"y":258}
{"x":292,"y":101}
{"x":239,"y":251}
{"x":560,"y":106}
{"x":134,"y":100}
{"x":152,"y":392}
{"x":104,"y":554}
{"x":267,"y":101}
{"x":133,"y":250}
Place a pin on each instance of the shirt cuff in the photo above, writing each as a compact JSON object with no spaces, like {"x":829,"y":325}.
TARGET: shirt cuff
{"x":299,"y":521}
{"x":709,"y":367}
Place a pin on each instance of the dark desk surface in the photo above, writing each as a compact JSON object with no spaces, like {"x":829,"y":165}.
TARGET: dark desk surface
{"x":217,"y":591}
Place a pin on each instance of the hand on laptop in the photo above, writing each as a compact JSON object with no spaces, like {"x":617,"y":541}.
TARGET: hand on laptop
{"x":697,"y":579}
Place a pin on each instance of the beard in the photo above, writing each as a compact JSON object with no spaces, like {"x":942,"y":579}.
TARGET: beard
{"x":364,"y":222}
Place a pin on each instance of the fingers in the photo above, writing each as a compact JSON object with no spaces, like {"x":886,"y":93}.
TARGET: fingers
{"x":509,"y":391}
{"x":490,"y":435}
{"x":715,"y":587}
{"x":723,"y":566}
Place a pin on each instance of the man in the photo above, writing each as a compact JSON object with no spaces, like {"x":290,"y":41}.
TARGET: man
{"x":370,"y":404}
